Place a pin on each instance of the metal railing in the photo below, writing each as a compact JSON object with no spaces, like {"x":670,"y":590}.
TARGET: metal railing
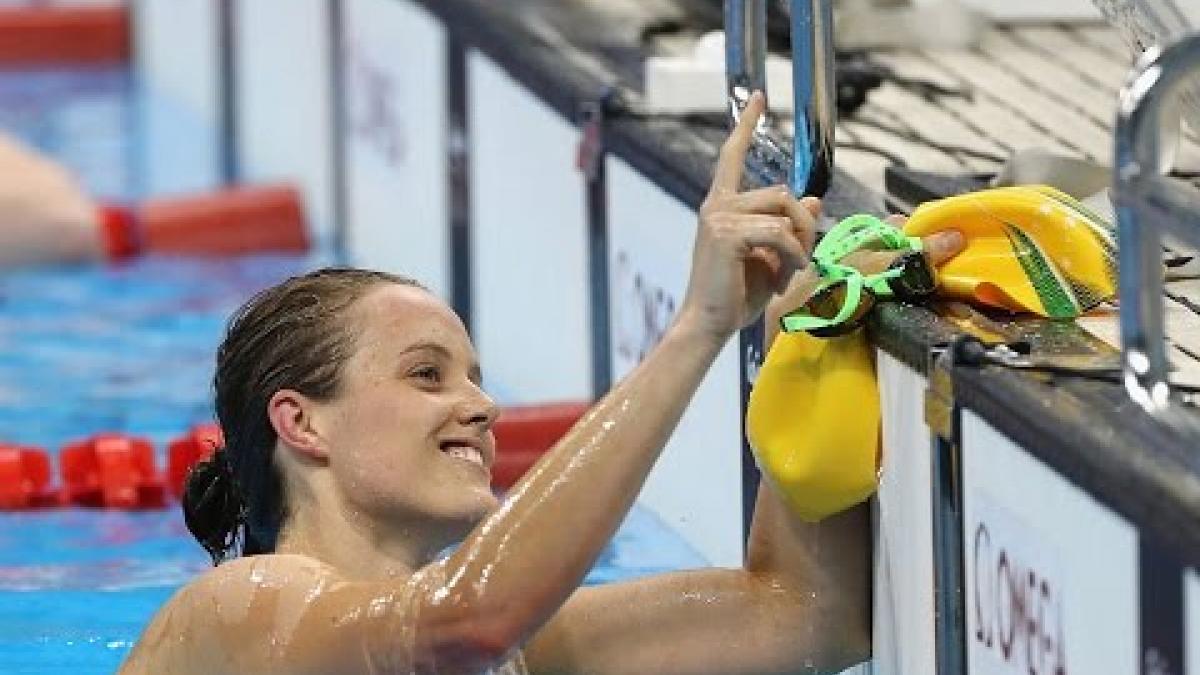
{"x":808,"y":164}
{"x":1149,"y":206}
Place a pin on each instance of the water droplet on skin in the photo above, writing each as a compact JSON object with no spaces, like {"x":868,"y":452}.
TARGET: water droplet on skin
{"x":377,"y":608}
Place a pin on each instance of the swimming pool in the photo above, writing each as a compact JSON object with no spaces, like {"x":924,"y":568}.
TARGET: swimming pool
{"x":129,"y":348}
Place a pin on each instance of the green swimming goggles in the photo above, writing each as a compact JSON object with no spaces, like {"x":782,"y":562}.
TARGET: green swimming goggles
{"x":845,"y":295}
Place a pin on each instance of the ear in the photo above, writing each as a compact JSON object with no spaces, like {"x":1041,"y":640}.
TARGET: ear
{"x":292,"y":414}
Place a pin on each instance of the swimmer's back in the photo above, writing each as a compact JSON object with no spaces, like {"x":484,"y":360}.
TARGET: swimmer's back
{"x":291,"y":614}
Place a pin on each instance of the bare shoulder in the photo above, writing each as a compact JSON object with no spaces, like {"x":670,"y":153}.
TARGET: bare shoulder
{"x":294,"y":614}
{"x":234,"y":616}
{"x":239,"y":576}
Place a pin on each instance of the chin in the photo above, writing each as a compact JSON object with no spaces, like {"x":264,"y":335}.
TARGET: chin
{"x":486,"y":502}
{"x":469,"y":513}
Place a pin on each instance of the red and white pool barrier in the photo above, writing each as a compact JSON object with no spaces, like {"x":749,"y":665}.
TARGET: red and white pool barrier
{"x":237,"y":220}
{"x":524,"y":434}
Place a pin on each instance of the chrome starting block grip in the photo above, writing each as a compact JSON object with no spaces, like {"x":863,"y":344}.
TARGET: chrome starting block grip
{"x":1149,"y":206}
{"x":808,"y":164}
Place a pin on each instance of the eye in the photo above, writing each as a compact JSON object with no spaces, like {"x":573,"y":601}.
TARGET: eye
{"x":430,"y":374}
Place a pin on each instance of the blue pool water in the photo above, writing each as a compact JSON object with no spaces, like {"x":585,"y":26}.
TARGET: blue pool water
{"x":85,"y":349}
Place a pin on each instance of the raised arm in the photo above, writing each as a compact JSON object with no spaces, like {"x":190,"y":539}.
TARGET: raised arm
{"x":518,"y":568}
{"x":800,"y":602}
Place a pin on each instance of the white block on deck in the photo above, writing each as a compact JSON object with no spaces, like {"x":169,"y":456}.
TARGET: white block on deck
{"x":696,"y":82}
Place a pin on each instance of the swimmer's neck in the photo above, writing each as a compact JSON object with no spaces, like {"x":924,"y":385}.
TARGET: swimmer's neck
{"x":359,"y":549}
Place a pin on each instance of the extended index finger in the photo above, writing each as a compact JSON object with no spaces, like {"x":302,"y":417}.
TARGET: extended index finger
{"x":728,"y":175}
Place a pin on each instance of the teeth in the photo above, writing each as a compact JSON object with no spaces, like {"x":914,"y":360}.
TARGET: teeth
{"x":467,"y":453}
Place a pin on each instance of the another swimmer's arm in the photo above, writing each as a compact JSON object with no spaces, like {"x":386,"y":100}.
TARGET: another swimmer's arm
{"x":44,"y":215}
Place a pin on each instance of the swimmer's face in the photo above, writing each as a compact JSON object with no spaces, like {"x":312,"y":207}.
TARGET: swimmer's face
{"x":409,"y":432}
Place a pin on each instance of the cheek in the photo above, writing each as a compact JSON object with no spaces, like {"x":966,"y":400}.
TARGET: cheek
{"x":378,"y":468}
{"x":382,"y":442}
{"x":382,"y":410}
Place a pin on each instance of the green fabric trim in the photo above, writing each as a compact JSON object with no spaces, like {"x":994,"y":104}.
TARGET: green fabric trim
{"x":1054,"y":292}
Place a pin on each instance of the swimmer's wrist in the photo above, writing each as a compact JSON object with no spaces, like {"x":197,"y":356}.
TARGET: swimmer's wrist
{"x":690,"y":328}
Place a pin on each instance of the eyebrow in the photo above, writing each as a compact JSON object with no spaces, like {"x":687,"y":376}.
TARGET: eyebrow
{"x":473,"y":371}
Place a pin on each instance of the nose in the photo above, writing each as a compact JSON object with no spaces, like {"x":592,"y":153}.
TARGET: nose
{"x":478,"y":409}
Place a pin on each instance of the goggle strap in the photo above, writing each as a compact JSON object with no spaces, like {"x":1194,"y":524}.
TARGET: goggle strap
{"x":851,"y":233}
{"x":798,"y":322}
{"x":802,"y":320}
{"x":878,"y":283}
{"x":847,"y":236}
{"x":854,"y":289}
{"x":840,"y":231}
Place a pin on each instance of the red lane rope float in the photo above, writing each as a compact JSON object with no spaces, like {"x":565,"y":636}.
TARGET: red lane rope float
{"x":60,"y":36}
{"x":118,"y":471}
{"x":187,"y":451}
{"x":112,"y":471}
{"x":236,"y":220}
{"x":25,"y":478}
{"x":119,"y":232}
{"x":225,"y":222}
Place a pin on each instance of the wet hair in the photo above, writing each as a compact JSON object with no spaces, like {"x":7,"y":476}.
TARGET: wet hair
{"x":291,"y":336}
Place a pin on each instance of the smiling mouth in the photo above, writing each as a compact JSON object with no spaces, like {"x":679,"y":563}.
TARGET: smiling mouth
{"x":464,"y":452}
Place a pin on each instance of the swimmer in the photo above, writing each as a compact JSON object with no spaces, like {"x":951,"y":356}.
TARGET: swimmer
{"x":45,"y":216}
{"x":358,"y":450}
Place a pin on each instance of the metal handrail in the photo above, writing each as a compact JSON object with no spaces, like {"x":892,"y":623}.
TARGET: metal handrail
{"x":809,"y":162}
{"x":1149,"y":206}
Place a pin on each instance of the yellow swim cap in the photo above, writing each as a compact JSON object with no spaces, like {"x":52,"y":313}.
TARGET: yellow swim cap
{"x":1028,"y":249}
{"x":813,"y":422}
